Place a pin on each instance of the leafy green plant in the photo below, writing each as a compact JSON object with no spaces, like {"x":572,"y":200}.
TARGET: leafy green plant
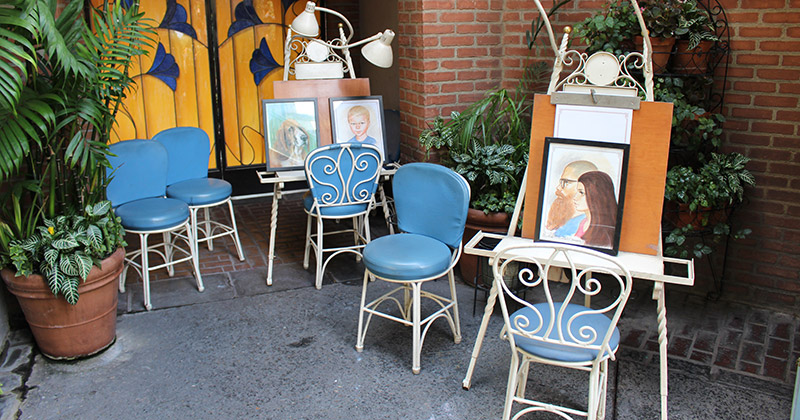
{"x":612,"y":30}
{"x":718,"y":183}
{"x":695,"y":131}
{"x":663,"y":18}
{"x":487,"y":143}
{"x":62,"y":81}
{"x":713,"y":187}
{"x":65,"y":248}
{"x":696,"y":24}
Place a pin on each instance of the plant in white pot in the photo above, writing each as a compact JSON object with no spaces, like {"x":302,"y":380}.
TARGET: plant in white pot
{"x":62,"y":81}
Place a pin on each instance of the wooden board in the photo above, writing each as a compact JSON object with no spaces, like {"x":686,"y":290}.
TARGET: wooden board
{"x":322,"y":90}
{"x":647,"y":171}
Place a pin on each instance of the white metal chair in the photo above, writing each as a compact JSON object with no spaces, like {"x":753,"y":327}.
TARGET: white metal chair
{"x":431,"y":203}
{"x":137,"y":191}
{"x":342,"y":179}
{"x":561,"y":332}
{"x":188,"y":149}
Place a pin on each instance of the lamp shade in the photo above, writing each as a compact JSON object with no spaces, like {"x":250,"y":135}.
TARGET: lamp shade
{"x":306,"y":23}
{"x":379,"y":51}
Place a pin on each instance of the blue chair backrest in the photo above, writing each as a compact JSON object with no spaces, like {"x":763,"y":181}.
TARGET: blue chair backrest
{"x":139,"y":170}
{"x":188,"y":149}
{"x":344,"y":173}
{"x":431,"y":200}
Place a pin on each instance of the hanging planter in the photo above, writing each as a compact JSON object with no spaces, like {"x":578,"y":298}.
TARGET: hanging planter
{"x":691,"y":61}
{"x":662,"y":51}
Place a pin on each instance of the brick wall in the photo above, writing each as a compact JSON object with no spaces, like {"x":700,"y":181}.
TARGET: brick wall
{"x":451,"y":51}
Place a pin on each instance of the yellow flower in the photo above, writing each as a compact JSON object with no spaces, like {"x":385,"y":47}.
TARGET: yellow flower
{"x":52,"y":230}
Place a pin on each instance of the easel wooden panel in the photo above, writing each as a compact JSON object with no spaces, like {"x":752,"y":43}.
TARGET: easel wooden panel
{"x":647,"y":170}
{"x":322,"y":89}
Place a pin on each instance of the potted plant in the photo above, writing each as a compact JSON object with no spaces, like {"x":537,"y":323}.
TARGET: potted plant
{"x":696,"y":40}
{"x":702,"y":198}
{"x":612,"y":30}
{"x":664,"y":23}
{"x":487,"y":143}
{"x":61,"y":86}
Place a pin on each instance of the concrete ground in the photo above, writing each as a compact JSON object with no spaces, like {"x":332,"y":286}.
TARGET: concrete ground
{"x":244,"y":350}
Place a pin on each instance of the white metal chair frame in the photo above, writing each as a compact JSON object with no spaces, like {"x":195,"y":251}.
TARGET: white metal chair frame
{"x":410,"y":309}
{"x":583,"y":264}
{"x":182,"y":232}
{"x":208,"y":226}
{"x":348,"y":195}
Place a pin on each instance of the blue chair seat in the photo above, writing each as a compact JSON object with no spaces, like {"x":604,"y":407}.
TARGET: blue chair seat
{"x":552,"y":351}
{"x":345,"y":210}
{"x":406,"y":256}
{"x":152,"y":213}
{"x":200,"y":191}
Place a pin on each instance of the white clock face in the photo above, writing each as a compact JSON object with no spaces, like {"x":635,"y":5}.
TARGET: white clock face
{"x":602,"y":68}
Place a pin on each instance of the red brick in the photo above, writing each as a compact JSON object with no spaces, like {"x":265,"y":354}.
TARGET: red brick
{"x":454,"y":41}
{"x":779,"y":74}
{"x":777,"y":128}
{"x":775,"y":368}
{"x":754,"y":86}
{"x":726,"y":358}
{"x":793,"y":32}
{"x":752,"y":113}
{"x":759,"y":32}
{"x":781,"y":18}
{"x":457,"y":17}
{"x":757,"y":59}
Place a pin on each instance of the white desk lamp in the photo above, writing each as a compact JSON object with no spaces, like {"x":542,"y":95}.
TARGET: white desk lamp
{"x":318,"y":59}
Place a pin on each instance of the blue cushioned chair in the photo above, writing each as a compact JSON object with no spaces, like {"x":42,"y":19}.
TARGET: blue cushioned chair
{"x":562,"y":329}
{"x":342,"y":179}
{"x":187,"y":180}
{"x":431,"y":203}
{"x":137,"y":191}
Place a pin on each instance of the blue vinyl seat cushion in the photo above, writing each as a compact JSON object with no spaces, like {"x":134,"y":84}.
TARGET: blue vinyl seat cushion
{"x":552,"y":351}
{"x":200,"y":191}
{"x":345,"y":210}
{"x":406,"y":256}
{"x":152,"y":213}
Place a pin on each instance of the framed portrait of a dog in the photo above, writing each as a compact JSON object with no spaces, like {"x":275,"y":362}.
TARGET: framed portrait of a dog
{"x":291,"y":131}
{"x":358,"y":119}
{"x":582,"y":193}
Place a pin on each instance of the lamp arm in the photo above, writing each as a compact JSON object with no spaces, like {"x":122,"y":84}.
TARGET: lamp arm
{"x":356,"y":44}
{"x":547,"y":26}
{"x":340,"y":16}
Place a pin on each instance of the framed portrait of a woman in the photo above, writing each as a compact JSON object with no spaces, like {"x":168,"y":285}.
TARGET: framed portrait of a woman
{"x":582,"y":193}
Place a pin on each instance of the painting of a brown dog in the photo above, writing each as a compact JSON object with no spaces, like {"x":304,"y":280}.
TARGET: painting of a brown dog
{"x":290,"y":144}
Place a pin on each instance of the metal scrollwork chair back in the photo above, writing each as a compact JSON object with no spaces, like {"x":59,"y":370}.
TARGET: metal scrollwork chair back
{"x":343,"y":179}
{"x":561,"y":329}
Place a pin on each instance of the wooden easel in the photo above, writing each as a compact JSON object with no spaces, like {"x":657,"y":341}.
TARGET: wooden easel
{"x":640,"y":242}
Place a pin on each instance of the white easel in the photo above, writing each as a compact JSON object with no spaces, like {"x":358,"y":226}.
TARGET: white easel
{"x":594,"y":82}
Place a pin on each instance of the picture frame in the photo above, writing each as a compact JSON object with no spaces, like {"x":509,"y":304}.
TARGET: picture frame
{"x":362,"y":109}
{"x":582,"y":193}
{"x":291,"y":131}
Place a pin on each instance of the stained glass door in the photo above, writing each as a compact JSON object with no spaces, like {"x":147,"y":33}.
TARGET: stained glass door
{"x":213,"y":63}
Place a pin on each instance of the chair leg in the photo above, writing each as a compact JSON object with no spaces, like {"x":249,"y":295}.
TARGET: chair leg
{"x":124,"y":275}
{"x":603,"y":389}
{"x":416,"y":318}
{"x":594,"y":382}
{"x":207,"y":230}
{"x":145,"y":271}
{"x":512,"y":385}
{"x":193,"y":247}
{"x":308,"y":242}
{"x":454,"y":313}
{"x":361,"y":328}
{"x":522,"y":378}
{"x":320,"y":238}
{"x":168,"y":252}
{"x":235,"y":232}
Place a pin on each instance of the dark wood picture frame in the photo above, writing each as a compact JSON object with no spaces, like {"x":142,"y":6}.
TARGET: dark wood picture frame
{"x":582,"y":193}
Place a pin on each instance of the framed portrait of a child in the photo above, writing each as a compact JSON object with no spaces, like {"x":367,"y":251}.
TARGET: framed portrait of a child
{"x":358,"y":119}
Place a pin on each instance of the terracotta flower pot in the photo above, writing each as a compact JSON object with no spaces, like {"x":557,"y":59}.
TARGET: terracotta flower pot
{"x":64,"y":331}
{"x":662,"y":50}
{"x":691,"y":61}
{"x":477,"y":220}
{"x":679,"y":215}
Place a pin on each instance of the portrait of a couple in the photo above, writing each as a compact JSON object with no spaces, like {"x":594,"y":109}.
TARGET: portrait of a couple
{"x":582,"y":195}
